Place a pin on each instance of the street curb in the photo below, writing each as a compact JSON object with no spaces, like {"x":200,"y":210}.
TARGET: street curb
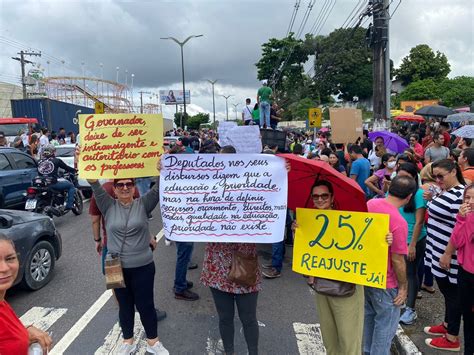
{"x":403,"y":343}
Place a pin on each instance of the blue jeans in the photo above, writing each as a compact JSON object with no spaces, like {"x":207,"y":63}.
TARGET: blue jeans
{"x":380,"y":320}
{"x":143,"y":185}
{"x":278,"y":252}
{"x":66,"y":186}
{"x":264,"y":114}
{"x":184,"y":251}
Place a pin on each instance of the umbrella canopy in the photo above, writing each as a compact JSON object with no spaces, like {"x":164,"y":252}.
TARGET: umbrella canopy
{"x":459,"y":117}
{"x":392,"y":141}
{"x":434,"y":110}
{"x":410,"y":118}
{"x":348,"y":196}
{"x":465,"y":131}
{"x":324,"y":129}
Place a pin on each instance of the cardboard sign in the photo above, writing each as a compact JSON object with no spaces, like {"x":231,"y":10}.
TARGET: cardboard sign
{"x":120,"y":145}
{"x":223,"y":197}
{"x":346,"y":124}
{"x":342,"y":245}
{"x":245,"y":139}
{"x":315,"y":116}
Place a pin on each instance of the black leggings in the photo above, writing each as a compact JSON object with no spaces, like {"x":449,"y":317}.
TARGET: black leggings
{"x":466,"y":293}
{"x":412,"y":272}
{"x":138,"y":292}
{"x":247,"y":308}
{"x":452,"y":311}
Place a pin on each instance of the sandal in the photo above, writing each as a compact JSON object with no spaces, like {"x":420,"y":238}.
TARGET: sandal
{"x":428,"y":289}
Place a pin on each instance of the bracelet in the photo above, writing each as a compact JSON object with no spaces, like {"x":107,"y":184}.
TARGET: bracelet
{"x":97,"y":240}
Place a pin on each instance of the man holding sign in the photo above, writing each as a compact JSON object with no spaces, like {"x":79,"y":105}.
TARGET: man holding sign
{"x":382,"y":306}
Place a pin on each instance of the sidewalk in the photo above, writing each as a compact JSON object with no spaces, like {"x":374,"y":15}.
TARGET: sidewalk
{"x":430,"y":310}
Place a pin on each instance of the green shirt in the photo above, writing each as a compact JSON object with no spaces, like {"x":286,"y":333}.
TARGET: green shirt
{"x":411,"y":217}
{"x":264,"y":94}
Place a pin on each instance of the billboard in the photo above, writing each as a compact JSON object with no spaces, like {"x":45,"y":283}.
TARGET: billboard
{"x":174,"y":97}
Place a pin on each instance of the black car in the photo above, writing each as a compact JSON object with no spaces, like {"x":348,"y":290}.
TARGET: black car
{"x":17,"y":170}
{"x":38,"y":244}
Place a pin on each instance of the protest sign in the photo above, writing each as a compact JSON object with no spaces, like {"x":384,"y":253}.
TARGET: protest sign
{"x":346,"y":124}
{"x":222,"y":130}
{"x":120,"y":145}
{"x":223,"y":197}
{"x":245,"y":139}
{"x":342,"y":245}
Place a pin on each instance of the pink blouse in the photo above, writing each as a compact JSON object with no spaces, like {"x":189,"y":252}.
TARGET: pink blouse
{"x":462,"y":239}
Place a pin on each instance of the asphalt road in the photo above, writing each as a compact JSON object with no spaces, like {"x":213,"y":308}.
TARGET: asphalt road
{"x":71,"y":307}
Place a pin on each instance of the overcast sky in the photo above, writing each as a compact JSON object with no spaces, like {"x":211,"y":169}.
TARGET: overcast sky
{"x":127,"y":35}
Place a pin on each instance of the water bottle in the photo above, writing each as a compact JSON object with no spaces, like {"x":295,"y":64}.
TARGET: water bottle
{"x":35,"y":349}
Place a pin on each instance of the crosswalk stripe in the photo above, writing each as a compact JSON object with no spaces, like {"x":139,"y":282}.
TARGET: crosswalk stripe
{"x":79,"y":326}
{"x":42,"y":318}
{"x":114,"y":339}
{"x":309,"y":339}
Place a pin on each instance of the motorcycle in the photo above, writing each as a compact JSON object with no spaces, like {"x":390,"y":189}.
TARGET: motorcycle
{"x":41,"y":198}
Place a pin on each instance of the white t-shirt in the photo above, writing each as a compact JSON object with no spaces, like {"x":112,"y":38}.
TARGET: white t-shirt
{"x":247,"y":111}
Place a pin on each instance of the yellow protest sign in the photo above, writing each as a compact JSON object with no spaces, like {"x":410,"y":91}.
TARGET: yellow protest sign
{"x":342,"y":245}
{"x":315,"y":116}
{"x":120,"y":145}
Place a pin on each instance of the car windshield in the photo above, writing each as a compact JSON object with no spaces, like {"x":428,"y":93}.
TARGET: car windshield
{"x":13,"y":129}
{"x":62,"y":152}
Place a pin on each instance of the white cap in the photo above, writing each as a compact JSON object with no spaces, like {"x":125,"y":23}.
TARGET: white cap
{"x":264,"y":82}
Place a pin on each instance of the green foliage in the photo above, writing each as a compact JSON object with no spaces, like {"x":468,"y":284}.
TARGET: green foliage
{"x":177,"y":119}
{"x":422,"y":63}
{"x":195,"y":121}
{"x":421,"y":90}
{"x":344,"y":64}
{"x":298,"y":111}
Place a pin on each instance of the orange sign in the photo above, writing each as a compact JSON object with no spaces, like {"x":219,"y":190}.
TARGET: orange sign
{"x":412,"y":106}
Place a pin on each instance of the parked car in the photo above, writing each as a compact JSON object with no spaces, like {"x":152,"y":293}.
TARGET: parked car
{"x":17,"y":170}
{"x":37,"y":242}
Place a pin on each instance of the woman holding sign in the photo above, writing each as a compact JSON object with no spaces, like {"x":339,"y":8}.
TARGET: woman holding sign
{"x":128,"y":240}
{"x":341,"y":317}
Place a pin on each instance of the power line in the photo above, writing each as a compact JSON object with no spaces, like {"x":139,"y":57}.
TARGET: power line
{"x":396,"y":8}
{"x":293,"y":17}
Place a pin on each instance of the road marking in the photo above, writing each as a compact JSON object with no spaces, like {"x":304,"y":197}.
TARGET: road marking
{"x":406,"y":343}
{"x":214,"y":346}
{"x":113,"y":339}
{"x":309,"y":339}
{"x":79,"y":326}
{"x":42,"y":318}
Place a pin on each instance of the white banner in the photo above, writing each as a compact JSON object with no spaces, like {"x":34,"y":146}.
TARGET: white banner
{"x":223,"y":197}
{"x":245,"y":139}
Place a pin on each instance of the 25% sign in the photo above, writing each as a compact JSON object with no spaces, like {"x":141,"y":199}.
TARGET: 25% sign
{"x":342,"y":245}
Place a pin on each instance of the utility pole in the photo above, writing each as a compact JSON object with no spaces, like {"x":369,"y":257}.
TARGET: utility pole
{"x":226,"y":106}
{"x":141,"y":99}
{"x":381,"y":60}
{"x":235,"y":109}
{"x":213,"y":101}
{"x":23,"y":61}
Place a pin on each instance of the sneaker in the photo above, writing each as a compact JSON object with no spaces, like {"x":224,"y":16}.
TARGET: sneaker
{"x":442,"y":343}
{"x":158,"y":348}
{"x":160,"y":315}
{"x":127,"y":349}
{"x":436,"y":330}
{"x":189,"y":284}
{"x":192,"y":266}
{"x":267,"y":266}
{"x":409,"y":316}
{"x":271,"y":274}
{"x":186,"y":295}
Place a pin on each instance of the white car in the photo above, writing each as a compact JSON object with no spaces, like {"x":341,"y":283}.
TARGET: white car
{"x":65,"y":152}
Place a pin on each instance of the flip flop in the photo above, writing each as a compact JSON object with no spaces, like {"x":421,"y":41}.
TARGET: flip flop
{"x":426,"y":289}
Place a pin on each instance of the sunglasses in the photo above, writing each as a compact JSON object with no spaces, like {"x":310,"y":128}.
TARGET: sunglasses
{"x":439,"y":177}
{"x":121,"y":185}
{"x":323,"y":197}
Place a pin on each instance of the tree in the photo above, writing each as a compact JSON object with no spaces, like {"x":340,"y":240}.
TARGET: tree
{"x":427,"y":89}
{"x":343,"y":64}
{"x":422,"y":63}
{"x":299,"y":110}
{"x":177,"y":119}
{"x":195,"y":121}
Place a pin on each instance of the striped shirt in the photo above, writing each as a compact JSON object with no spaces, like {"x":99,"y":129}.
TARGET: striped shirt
{"x":442,"y":212}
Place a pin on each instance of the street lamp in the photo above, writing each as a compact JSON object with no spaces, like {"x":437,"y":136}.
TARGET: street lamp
{"x":181,"y":45}
{"x":213,"y":100}
{"x":235,"y":109}
{"x":226,"y":106}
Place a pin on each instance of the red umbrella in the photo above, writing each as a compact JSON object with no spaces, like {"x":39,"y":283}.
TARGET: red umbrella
{"x":348,"y":196}
{"x":410,"y":118}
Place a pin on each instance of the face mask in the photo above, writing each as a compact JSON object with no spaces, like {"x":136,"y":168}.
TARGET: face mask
{"x":391,"y":164}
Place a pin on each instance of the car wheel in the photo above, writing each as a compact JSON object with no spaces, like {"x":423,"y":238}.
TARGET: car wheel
{"x":39,"y":266}
{"x":78,"y":204}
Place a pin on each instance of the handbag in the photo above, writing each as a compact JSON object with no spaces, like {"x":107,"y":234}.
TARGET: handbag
{"x":243,"y":269}
{"x":334,"y":288}
{"x":113,"y":265}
